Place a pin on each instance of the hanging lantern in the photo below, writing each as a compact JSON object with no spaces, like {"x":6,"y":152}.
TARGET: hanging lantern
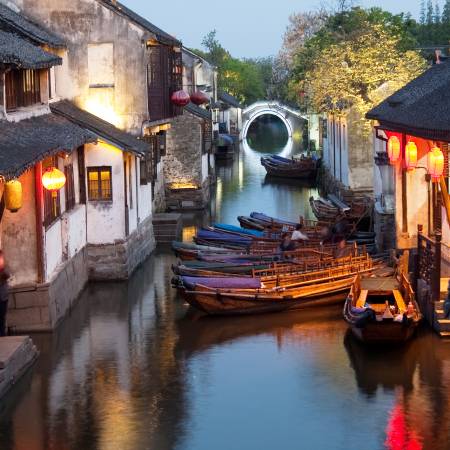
{"x":199,"y":98}
{"x":435,"y":163}
{"x":393,"y":149}
{"x":13,"y":195}
{"x":53,"y":180}
{"x":180,"y":98}
{"x":411,"y":155}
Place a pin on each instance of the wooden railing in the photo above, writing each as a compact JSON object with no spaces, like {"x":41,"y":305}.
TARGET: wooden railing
{"x":428,"y":267}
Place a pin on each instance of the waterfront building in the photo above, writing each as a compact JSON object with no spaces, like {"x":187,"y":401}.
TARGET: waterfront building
{"x":92,"y":99}
{"x":347,"y":153}
{"x":412,"y":132}
{"x":230,"y":114}
{"x":189,"y":160}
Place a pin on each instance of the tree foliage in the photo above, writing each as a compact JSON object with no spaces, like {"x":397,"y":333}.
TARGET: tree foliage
{"x":248,"y":80}
{"x":347,"y":61}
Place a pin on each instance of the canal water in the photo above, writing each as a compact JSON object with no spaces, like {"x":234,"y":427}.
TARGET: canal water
{"x":133,"y":368}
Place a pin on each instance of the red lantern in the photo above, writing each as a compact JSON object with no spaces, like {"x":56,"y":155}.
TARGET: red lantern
{"x":394,"y":149}
{"x":180,"y":98}
{"x":199,"y":98}
{"x":435,"y":164}
{"x":411,"y":155}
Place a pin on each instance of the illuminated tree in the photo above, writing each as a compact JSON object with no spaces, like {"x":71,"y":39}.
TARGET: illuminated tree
{"x":359,"y":72}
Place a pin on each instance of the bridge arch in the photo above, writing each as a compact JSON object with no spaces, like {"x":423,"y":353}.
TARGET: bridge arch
{"x":266,"y":112}
{"x":291,"y":118}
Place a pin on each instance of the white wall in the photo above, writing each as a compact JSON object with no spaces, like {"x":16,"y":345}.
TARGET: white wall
{"x":106,"y":220}
{"x":204,"y":167}
{"x":53,"y":248}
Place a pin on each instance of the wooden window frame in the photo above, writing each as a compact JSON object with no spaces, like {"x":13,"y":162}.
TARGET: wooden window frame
{"x":23,"y":89}
{"x":69,"y":187}
{"x":50,"y":215}
{"x":101,"y":197}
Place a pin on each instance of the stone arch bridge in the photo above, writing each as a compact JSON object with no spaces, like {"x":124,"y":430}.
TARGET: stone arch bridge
{"x":292,"y":118}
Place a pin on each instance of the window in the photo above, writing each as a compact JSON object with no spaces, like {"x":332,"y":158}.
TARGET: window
{"x":52,"y":204}
{"x":100,"y":183}
{"x":22,"y":89}
{"x":69,"y":187}
{"x":164,"y":76}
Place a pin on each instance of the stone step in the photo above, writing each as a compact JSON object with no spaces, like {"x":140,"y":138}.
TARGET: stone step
{"x":17,"y":353}
{"x":439,"y":314}
{"x":445,"y":335}
{"x":444,"y":325}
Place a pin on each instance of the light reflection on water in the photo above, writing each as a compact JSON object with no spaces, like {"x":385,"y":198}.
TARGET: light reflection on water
{"x":133,"y":368}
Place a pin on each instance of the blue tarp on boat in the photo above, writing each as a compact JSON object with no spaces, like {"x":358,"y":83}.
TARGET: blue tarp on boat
{"x":224,"y":282}
{"x":265,"y":218}
{"x":225,"y":140}
{"x":236,"y":229}
{"x":215,"y":236}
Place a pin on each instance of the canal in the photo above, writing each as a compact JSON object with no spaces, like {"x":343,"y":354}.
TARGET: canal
{"x":132,"y":368}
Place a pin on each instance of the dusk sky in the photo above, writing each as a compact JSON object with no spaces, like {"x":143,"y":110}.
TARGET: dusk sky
{"x":247,"y":28}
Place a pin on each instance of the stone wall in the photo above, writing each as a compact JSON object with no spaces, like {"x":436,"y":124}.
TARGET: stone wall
{"x":40,"y":307}
{"x":384,"y":227}
{"x":118,"y":261}
{"x":183,"y":161}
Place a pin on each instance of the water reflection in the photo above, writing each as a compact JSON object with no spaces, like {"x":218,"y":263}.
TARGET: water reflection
{"x":267,"y":134}
{"x":133,"y":368}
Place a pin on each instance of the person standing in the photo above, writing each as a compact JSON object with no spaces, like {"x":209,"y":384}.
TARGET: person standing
{"x":4,"y":276}
{"x":297,"y":235}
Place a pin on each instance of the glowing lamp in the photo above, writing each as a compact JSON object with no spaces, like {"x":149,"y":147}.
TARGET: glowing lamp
{"x":411,"y":155}
{"x":13,"y":195}
{"x":53,"y":180}
{"x":435,"y":163}
{"x":394,"y":149}
{"x":199,"y":98}
{"x":180,"y":98}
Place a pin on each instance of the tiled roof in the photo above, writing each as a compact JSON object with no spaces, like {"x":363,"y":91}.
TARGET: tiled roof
{"x":200,"y":112}
{"x":16,"y":22}
{"x":229,"y":99}
{"x":24,"y":143}
{"x":421,"y":107}
{"x":23,"y":54}
{"x":163,"y":37}
{"x":100,"y":128}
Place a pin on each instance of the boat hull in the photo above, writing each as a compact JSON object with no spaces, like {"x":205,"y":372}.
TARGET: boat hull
{"x":385,"y":333}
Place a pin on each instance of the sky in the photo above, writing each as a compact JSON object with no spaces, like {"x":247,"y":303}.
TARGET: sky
{"x":246,"y":28}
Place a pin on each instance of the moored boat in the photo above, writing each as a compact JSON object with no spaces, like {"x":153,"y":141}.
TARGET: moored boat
{"x":304,"y":168}
{"x":382,"y":310}
{"x":291,"y":292}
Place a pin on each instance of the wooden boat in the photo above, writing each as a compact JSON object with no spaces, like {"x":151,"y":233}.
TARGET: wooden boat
{"x":382,"y":310}
{"x":333,"y":209}
{"x":190,"y":251}
{"x":321,"y":288}
{"x":305,"y":168}
{"x":281,"y":274}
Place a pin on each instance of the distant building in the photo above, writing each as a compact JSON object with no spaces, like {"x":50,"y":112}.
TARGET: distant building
{"x":189,"y":161}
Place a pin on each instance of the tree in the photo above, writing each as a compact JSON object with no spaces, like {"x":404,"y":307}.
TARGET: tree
{"x":422,"y":13}
{"x":354,"y":71}
{"x":429,"y":16}
{"x":446,"y":12}
{"x":437,"y":14}
{"x":248,"y":79}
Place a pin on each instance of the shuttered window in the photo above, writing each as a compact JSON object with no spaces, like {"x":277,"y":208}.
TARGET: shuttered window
{"x":100,"y":183}
{"x":22,"y":89}
{"x":69,"y":187}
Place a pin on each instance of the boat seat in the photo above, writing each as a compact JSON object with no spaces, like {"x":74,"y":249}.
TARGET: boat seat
{"x":399,"y":299}
{"x":362,"y":299}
